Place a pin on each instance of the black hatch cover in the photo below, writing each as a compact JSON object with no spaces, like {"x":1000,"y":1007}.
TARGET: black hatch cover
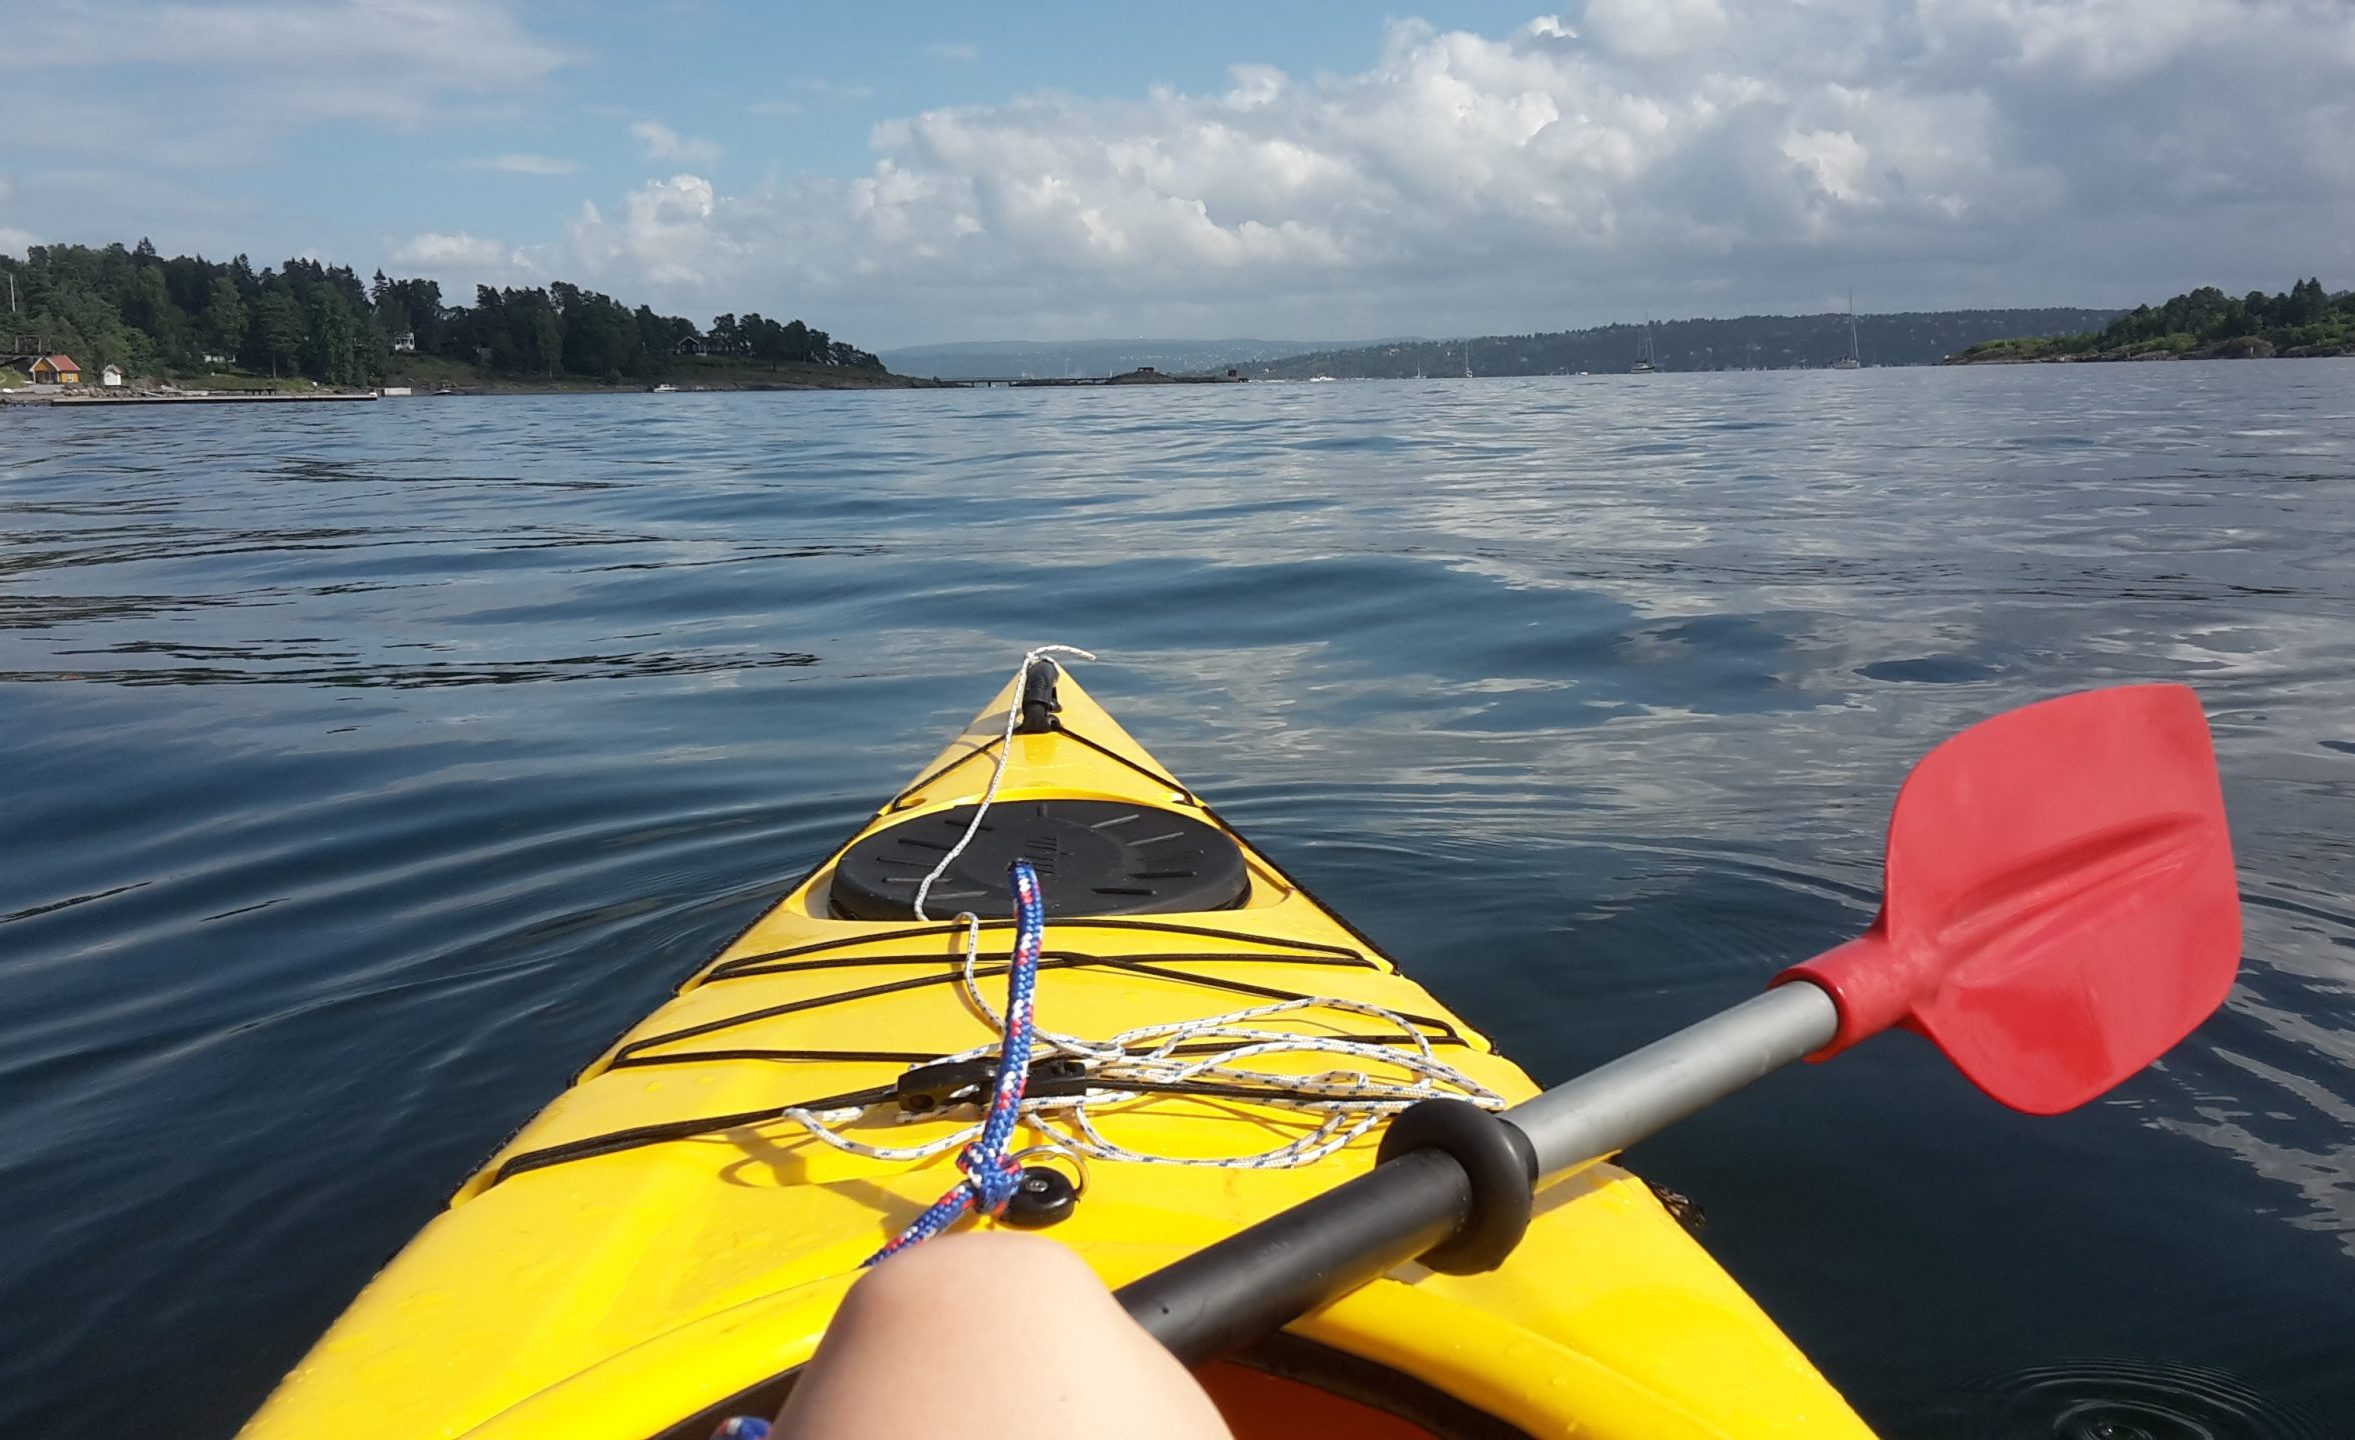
{"x":1093,"y":857}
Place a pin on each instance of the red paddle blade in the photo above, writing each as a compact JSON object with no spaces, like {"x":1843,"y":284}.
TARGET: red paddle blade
{"x":2059,"y":905}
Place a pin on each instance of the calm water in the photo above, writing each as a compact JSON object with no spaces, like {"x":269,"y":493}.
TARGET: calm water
{"x":366,"y":768}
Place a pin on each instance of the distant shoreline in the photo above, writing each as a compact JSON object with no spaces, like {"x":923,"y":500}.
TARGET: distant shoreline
{"x":440,"y":385}
{"x":860,"y":380}
{"x":398,"y":387}
{"x":2225,"y":350}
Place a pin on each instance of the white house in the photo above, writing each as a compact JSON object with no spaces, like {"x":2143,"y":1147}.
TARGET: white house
{"x":110,"y":375}
{"x":404,"y":342}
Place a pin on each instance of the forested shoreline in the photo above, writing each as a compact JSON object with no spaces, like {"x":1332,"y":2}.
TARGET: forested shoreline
{"x":2202,"y":324}
{"x":184,"y":316}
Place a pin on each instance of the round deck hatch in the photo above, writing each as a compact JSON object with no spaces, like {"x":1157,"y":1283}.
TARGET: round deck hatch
{"x":1093,"y":857}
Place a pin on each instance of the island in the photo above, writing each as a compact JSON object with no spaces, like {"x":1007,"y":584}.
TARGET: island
{"x":2202,"y":324}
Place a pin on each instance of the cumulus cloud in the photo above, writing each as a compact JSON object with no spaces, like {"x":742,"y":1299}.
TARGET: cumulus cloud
{"x":442,"y":253}
{"x":1680,"y":156}
{"x":515,"y":163}
{"x":161,"y":98}
{"x":664,"y":232}
{"x":1670,"y":156}
{"x":657,"y":141}
{"x":955,"y":51}
{"x":246,"y":71}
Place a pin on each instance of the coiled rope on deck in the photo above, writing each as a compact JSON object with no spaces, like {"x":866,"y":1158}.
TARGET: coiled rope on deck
{"x":1227,"y":1057}
{"x":1133,"y":1066}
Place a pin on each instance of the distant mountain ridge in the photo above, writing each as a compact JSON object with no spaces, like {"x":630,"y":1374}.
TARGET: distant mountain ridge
{"x":1748,"y":342}
{"x":1051,"y":359}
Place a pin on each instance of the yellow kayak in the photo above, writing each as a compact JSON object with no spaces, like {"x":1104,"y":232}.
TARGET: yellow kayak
{"x":665,"y":1242}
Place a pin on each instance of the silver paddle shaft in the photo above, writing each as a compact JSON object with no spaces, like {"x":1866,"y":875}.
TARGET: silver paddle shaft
{"x":1218,"y":1299}
{"x":1644,"y":1092}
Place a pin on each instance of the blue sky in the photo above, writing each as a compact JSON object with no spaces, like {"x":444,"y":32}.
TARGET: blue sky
{"x":917,"y":172}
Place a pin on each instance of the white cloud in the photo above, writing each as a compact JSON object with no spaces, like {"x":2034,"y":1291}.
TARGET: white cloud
{"x":657,"y":141}
{"x":266,"y":67}
{"x":165,"y":101}
{"x":516,"y":163}
{"x":955,"y":51}
{"x":1675,"y":156}
{"x":460,"y":251}
{"x":1679,"y":156}
{"x":1654,"y":29}
{"x":664,"y":235}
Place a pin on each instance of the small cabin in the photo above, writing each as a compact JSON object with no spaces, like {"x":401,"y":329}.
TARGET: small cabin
{"x":404,"y":342}
{"x":110,"y":376}
{"x":56,"y":370}
{"x":213,"y":357}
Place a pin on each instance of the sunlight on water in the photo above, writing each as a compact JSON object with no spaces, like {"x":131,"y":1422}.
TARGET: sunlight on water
{"x":369,"y":768}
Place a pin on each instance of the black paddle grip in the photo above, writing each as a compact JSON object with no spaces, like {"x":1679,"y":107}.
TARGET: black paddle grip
{"x":1252,"y":1283}
{"x":1498,"y":1160}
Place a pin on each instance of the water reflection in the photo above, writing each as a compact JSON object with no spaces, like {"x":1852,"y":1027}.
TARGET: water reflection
{"x":1587,"y":697}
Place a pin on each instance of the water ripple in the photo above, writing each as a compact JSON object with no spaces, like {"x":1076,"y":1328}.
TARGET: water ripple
{"x":1586,"y":696}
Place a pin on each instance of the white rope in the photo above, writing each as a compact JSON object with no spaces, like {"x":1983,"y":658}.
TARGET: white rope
{"x":1344,"y":1104}
{"x":997,"y":771}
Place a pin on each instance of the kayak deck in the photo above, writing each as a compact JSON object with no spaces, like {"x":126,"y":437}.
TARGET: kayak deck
{"x":661,"y":1238}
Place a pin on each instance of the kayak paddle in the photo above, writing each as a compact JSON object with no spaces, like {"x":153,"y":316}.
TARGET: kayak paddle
{"x":2059,"y":909}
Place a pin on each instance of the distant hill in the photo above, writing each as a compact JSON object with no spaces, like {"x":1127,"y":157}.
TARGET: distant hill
{"x":1052,"y":359}
{"x":1749,"y":342}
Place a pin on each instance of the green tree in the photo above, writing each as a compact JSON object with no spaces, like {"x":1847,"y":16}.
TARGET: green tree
{"x":335,"y":347}
{"x":278,"y":328}
{"x":2308,"y":304}
{"x":224,"y":317}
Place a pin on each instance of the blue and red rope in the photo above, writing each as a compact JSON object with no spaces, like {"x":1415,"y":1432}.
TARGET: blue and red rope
{"x":991,"y":1176}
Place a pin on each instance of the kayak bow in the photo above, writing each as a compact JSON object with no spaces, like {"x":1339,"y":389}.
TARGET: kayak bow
{"x":667,"y":1240}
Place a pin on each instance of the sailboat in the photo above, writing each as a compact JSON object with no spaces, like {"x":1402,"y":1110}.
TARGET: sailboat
{"x":1644,"y":353}
{"x":1850,"y":361}
{"x":1467,"y":359}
